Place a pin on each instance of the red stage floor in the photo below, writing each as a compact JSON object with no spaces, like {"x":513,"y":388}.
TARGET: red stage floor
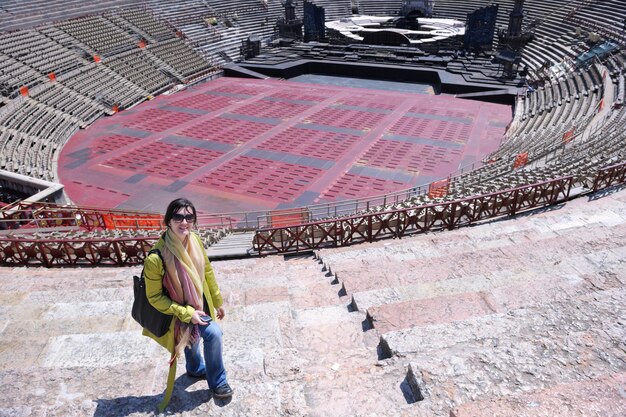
{"x":239,"y":145}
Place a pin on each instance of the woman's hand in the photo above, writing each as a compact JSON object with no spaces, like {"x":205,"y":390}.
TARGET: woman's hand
{"x":220,"y":313}
{"x":195,"y":317}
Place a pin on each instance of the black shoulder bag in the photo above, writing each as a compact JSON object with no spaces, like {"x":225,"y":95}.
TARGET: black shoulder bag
{"x":143,"y":312}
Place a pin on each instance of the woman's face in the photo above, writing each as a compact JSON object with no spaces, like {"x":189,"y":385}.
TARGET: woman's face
{"x":182,"y":222}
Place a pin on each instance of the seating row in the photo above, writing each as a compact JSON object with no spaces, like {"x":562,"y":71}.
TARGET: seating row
{"x":146,"y":23}
{"x":136,"y":66}
{"x":77,"y":70}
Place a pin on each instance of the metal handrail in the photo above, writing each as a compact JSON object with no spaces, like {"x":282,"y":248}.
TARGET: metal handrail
{"x":358,"y":228}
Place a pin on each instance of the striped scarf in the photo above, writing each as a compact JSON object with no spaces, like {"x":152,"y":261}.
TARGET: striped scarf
{"x":184,"y":262}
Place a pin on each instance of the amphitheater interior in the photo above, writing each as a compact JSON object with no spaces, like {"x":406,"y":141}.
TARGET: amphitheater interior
{"x":496,"y":291}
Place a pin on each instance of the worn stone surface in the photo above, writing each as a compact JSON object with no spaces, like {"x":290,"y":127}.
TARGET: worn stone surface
{"x":516,"y":317}
{"x":96,"y":350}
{"x":525,"y":350}
{"x":263,"y":311}
{"x":407,"y":314}
{"x":598,"y":397}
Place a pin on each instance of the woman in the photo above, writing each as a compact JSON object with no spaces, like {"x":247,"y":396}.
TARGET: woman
{"x":192,"y":297}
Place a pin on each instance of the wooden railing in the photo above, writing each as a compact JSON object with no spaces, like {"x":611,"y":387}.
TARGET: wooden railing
{"x":609,"y":176}
{"x":71,"y":252}
{"x":406,"y":221}
{"x":23,"y":248}
{"x":42,"y":215}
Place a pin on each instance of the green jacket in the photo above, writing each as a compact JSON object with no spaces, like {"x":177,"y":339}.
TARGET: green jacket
{"x":153,"y":272}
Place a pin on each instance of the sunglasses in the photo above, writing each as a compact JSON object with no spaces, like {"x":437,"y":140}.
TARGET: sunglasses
{"x":178,"y":218}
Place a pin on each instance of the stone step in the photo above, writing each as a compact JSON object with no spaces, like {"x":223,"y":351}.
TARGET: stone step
{"x":133,"y":386}
{"x":603,"y":269}
{"x":407,"y":314}
{"x":302,"y":285}
{"x":541,"y":310}
{"x":278,"y":276}
{"x":366,"y":388}
{"x":26,"y":279}
{"x":503,"y":293}
{"x":526,"y":256}
{"x":417,"y":249}
{"x":265,"y":268}
{"x":261,"y":311}
{"x":489,"y":357}
{"x":599,"y":396}
{"x":231,"y":246}
{"x":571,"y":315}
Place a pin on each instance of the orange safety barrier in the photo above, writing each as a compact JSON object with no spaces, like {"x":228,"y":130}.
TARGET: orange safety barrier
{"x":568,"y":136}
{"x":520,"y":160}
{"x":118,"y":221}
{"x":438,"y":188}
{"x":289,"y":217}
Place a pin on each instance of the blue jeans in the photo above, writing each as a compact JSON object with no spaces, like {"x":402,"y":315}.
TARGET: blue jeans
{"x":212,"y":364}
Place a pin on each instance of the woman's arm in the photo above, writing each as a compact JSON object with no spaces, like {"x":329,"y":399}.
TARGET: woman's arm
{"x":153,"y":272}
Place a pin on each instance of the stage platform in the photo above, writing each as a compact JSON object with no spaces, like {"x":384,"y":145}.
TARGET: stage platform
{"x":233,"y":145}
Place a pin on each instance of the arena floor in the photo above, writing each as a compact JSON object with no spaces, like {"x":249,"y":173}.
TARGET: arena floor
{"x":236,"y":145}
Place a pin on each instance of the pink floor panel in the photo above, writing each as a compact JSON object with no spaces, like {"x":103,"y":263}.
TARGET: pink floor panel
{"x":241,"y":145}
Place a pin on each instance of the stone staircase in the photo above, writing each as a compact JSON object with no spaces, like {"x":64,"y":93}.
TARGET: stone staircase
{"x":233,"y":245}
{"x":485,"y":316}
{"x":292,"y":347}
{"x":514,"y":317}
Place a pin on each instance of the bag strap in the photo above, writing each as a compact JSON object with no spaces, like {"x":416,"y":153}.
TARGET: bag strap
{"x":158,"y":252}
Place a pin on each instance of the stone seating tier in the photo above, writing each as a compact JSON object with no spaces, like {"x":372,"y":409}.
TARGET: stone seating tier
{"x":294,"y":346}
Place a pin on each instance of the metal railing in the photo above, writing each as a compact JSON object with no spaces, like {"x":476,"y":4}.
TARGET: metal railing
{"x":22,"y":216}
{"x":609,"y":176}
{"x":406,"y":221}
{"x":33,"y":250}
{"x":78,"y":251}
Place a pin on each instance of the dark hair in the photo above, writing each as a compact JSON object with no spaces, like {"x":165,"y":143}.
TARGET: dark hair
{"x":176,"y":205}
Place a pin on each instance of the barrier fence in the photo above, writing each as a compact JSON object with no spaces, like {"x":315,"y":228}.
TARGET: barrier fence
{"x":71,"y":252}
{"x":609,"y":176}
{"x":42,"y":215}
{"x":406,"y":221}
{"x":25,"y":247}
